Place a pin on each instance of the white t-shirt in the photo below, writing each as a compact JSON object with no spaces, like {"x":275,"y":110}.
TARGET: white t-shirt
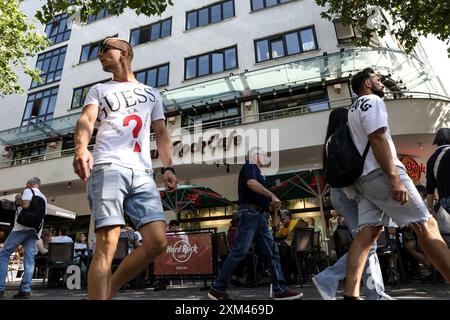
{"x":126,"y":111}
{"x":366,"y":115}
{"x":61,"y":239}
{"x":28,"y":195}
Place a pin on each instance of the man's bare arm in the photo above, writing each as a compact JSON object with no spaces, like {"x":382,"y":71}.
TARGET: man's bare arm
{"x":164,"y":145}
{"x":83,"y":161}
{"x":259,"y":188}
{"x":383,"y":155}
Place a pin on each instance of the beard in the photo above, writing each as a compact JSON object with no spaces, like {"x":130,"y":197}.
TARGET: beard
{"x":378,"y":92}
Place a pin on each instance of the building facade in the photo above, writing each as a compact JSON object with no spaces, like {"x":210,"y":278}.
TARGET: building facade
{"x":227,"y":70}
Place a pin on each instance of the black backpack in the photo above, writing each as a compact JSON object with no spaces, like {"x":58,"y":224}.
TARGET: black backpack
{"x":344,"y":163}
{"x":33,"y":215}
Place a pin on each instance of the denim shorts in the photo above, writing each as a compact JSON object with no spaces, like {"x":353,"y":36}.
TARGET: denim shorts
{"x":375,"y":203}
{"x":114,"y":190}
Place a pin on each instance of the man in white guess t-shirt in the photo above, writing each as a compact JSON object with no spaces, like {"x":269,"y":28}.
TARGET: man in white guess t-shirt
{"x":121,"y":176}
{"x":384,"y":186}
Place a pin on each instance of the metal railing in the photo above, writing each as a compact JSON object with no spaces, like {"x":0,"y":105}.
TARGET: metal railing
{"x":230,"y":122}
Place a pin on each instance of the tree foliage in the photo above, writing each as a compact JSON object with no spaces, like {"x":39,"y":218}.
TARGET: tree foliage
{"x":83,"y":8}
{"x":410,"y":18}
{"x":19,"y":40}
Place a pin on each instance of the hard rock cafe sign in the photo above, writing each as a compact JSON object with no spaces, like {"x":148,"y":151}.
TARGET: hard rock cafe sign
{"x":203,"y":145}
{"x":414,"y":169}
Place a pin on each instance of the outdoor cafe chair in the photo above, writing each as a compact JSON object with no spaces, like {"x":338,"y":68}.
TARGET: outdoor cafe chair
{"x":303,"y":251}
{"x":60,"y":256}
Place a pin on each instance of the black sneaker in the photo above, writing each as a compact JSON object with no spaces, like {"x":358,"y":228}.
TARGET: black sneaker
{"x":288,"y":295}
{"x":216,"y":295}
{"x":22,"y":295}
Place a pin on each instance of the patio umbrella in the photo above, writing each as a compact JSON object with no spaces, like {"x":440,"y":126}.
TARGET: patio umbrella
{"x":300,"y":184}
{"x":191,"y":197}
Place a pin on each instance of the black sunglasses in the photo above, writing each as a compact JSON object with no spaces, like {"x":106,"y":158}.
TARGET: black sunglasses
{"x":105,"y":47}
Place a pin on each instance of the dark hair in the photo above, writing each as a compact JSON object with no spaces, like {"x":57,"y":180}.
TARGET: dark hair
{"x":442,"y":137}
{"x":336,"y":118}
{"x":174,"y":222}
{"x":359,"y":78}
{"x":64,"y":229}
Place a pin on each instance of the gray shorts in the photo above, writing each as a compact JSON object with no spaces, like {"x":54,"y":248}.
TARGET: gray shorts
{"x":113,"y":190}
{"x":375,"y":203}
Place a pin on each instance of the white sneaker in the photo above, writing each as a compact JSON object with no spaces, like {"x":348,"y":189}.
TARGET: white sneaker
{"x":385,"y":296}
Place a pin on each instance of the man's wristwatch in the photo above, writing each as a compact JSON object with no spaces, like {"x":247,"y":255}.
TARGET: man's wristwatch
{"x":163,"y":170}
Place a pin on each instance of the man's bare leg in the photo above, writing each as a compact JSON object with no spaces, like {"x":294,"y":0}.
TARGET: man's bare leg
{"x":99,"y":276}
{"x":357,"y":257}
{"x":153,"y":243}
{"x":434,"y":247}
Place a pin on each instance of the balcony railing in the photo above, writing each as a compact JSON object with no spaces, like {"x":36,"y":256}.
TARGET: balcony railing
{"x":231,"y":122}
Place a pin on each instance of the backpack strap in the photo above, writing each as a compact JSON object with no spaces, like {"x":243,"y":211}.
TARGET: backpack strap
{"x":438,"y":160}
{"x":366,"y":150}
{"x":32,"y":191}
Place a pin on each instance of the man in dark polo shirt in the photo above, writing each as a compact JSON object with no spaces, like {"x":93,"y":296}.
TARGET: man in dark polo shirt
{"x":254,"y":202}
{"x":438,"y":177}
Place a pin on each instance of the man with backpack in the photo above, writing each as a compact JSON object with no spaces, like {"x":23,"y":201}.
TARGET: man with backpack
{"x":31,"y":209}
{"x":384,"y":187}
{"x":438,"y":177}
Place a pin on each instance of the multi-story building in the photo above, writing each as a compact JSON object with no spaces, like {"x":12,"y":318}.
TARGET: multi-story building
{"x":225,"y":65}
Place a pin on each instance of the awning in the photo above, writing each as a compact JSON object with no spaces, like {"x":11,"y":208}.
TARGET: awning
{"x":414,"y":74}
{"x":192,"y":197}
{"x":8,"y":210}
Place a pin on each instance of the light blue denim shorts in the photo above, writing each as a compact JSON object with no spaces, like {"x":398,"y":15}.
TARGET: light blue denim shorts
{"x":375,"y":203}
{"x":114,"y":190}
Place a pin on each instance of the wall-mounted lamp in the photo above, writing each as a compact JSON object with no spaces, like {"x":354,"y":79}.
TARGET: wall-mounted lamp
{"x":290,"y":89}
{"x":236,"y":100}
{"x":53,"y":145}
{"x":171,"y":120}
{"x":274,"y":92}
{"x":420,"y":145}
{"x":221,"y":103}
{"x":69,"y":185}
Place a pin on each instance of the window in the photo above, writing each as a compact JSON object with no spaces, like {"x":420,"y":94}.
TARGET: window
{"x":211,"y":14}
{"x":261,"y":4}
{"x":102,"y":14}
{"x":90,"y":51}
{"x":30,"y":154}
{"x":205,"y":116}
{"x":151,"y":32}
{"x":57,"y":30}
{"x":155,"y":76}
{"x":293,"y":42}
{"x":40,"y":106}
{"x":51,"y":64}
{"x":79,"y":95}
{"x":344,"y":33}
{"x":209,"y":63}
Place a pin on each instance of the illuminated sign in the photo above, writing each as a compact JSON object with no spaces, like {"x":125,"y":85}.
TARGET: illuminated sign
{"x":413,"y":168}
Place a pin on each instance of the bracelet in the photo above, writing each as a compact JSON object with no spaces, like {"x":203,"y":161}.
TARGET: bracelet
{"x":163,"y":170}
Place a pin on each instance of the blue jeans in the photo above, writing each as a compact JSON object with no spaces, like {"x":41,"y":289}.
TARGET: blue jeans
{"x":28,"y":239}
{"x":372,"y":277}
{"x":253,"y":226}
